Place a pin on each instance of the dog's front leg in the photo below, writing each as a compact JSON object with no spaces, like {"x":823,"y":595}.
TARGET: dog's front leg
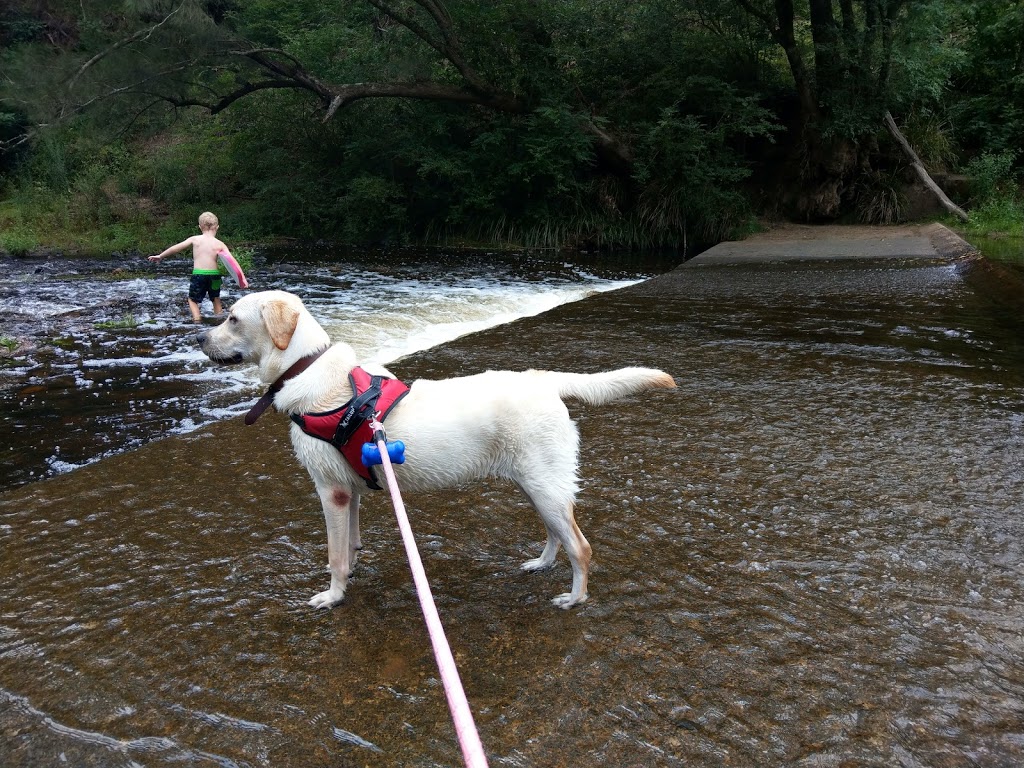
{"x":341,"y":509}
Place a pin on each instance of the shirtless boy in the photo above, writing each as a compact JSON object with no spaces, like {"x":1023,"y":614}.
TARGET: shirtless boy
{"x":206,"y":278}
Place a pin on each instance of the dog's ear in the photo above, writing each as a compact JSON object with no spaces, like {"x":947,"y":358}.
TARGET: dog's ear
{"x":281,"y":318}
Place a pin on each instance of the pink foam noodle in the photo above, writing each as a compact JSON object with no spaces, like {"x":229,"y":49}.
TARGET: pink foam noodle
{"x":234,"y":270}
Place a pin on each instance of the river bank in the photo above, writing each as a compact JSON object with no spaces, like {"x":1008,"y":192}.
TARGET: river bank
{"x":810,"y":554}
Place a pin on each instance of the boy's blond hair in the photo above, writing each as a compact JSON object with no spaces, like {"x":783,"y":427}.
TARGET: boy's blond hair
{"x":207,"y":221}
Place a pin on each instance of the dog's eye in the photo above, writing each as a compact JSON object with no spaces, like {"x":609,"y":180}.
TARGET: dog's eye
{"x":232,"y":319}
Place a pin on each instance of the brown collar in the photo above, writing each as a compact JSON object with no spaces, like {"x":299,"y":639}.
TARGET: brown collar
{"x":268,"y":397}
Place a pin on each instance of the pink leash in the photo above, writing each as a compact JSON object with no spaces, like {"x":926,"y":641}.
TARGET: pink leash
{"x":469,"y":739}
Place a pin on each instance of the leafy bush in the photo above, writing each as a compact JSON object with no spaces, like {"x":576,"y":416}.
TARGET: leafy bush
{"x":999,"y":213}
{"x":991,"y":175}
{"x":18,"y":242}
{"x":691,"y":165}
{"x":372,"y":209}
{"x":932,"y":139}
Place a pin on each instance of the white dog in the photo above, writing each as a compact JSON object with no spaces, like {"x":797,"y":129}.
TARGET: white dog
{"x":494,"y":424}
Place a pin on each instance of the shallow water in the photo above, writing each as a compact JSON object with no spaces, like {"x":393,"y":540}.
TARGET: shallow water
{"x":108,"y":359}
{"x":808,"y":555}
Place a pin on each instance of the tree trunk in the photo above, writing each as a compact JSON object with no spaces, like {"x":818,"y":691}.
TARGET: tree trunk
{"x":922,"y":172}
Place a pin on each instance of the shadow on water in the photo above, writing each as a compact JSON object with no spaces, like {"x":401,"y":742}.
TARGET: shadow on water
{"x":810,"y":554}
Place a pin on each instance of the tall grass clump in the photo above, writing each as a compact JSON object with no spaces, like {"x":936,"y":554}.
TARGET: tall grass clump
{"x":997,"y":200}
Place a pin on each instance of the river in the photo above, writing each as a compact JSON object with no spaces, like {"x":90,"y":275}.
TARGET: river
{"x":809,"y":555}
{"x":108,"y":361}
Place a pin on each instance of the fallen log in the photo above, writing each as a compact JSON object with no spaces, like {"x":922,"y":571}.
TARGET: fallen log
{"x":922,"y":172}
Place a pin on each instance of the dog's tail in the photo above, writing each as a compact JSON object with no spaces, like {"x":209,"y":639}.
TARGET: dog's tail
{"x":599,"y":388}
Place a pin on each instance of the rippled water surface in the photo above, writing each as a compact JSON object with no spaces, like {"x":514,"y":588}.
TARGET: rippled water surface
{"x":809,"y":555}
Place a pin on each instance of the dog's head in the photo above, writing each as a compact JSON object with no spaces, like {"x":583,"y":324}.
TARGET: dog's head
{"x":271,"y":329}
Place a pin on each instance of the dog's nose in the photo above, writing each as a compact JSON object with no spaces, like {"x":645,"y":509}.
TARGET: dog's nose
{"x":201,"y":338}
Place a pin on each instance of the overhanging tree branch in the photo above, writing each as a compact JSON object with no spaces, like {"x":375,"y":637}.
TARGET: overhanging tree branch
{"x":225,"y":101}
{"x":277,"y":69}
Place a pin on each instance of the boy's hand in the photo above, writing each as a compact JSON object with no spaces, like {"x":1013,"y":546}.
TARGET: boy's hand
{"x":155,"y":258}
{"x":245,"y":283}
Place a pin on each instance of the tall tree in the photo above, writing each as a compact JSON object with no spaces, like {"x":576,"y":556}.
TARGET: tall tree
{"x":851,"y":61}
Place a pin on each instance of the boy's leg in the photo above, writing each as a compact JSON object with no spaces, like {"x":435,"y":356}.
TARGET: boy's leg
{"x":214,"y":293}
{"x":197,"y":287}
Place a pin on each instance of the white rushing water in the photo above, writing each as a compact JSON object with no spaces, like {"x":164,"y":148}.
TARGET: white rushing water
{"x":98,"y":340}
{"x":385,"y":317}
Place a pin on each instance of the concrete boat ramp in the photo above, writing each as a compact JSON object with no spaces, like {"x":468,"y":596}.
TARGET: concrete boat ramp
{"x":796,"y":242}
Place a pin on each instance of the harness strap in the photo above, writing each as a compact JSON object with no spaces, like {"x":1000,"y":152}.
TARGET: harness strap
{"x":268,"y":397}
{"x":347,"y":428}
{"x":358,"y":411}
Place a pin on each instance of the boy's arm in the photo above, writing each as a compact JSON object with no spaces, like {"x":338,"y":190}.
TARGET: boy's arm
{"x":173,"y":249}
{"x":232,"y":264}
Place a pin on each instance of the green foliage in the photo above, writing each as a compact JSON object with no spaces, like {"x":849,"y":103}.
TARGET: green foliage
{"x":18,"y":242}
{"x":987,"y":105}
{"x":931,"y":136}
{"x":992,"y":175}
{"x":371,"y":209}
{"x":122,"y":323}
{"x":692,"y":93}
{"x":880,"y":199}
{"x":1003,"y":214}
{"x":692,"y":165}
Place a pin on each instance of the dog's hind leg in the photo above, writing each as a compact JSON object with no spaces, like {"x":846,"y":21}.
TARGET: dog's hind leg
{"x":547,"y":557}
{"x":578,"y":549}
{"x":557,"y":514}
{"x":338,"y":503}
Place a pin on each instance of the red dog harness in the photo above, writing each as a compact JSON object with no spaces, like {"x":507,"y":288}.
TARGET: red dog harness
{"x":348,"y":427}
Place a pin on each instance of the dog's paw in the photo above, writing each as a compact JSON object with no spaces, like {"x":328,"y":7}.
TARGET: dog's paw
{"x":537,"y":564}
{"x":328,"y":598}
{"x":567,"y":601}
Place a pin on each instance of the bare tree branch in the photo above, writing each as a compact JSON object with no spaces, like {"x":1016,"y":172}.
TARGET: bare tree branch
{"x":225,"y":101}
{"x":141,"y":34}
{"x":450,"y":48}
{"x":133,"y":87}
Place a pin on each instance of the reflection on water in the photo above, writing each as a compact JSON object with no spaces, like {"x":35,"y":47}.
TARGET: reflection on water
{"x":809,"y":555}
{"x":1008,"y":250}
